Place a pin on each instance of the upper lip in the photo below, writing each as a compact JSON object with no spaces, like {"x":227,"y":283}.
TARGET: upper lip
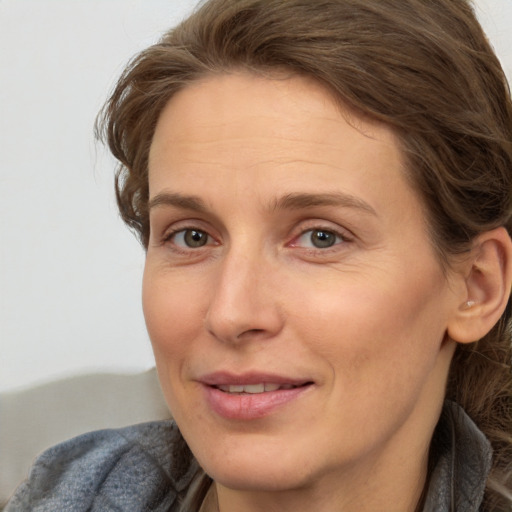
{"x":223,"y":378}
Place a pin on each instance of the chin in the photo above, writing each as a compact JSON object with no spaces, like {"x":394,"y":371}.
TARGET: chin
{"x":259,"y":479}
{"x":257,"y":468}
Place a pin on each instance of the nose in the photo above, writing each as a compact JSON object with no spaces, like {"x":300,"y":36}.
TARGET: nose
{"x":244,"y":304}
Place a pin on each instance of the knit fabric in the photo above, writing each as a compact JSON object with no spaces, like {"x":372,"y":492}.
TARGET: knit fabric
{"x":135,"y":469}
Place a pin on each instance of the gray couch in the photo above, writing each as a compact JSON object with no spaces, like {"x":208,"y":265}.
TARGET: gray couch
{"x":37,"y":418}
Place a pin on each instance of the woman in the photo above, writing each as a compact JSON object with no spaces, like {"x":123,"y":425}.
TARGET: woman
{"x":323,"y":190}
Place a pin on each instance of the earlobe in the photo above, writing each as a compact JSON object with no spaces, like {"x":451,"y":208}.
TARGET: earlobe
{"x":488,"y":284}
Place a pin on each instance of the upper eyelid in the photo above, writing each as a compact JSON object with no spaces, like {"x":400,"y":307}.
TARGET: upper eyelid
{"x":299,"y":228}
{"x":169,"y":233}
{"x":186,"y":223}
{"x":323,"y":225}
{"x":172,"y":209}
{"x":337,"y":231}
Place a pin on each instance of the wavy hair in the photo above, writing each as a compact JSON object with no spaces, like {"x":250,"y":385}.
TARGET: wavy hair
{"x":424,"y":68}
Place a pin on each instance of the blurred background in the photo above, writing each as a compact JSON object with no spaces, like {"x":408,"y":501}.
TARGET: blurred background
{"x":70,"y":272}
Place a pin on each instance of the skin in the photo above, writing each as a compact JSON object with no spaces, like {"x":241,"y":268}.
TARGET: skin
{"x":365,"y":319}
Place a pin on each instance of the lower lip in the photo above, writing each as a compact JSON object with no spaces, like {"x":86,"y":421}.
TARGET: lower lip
{"x":250,"y":406}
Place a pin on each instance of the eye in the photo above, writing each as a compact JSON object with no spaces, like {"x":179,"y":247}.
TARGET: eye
{"x":318,"y":239}
{"x":190,"y":238}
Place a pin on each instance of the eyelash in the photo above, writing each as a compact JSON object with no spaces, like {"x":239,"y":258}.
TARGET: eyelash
{"x":168,"y":237}
{"x":340,"y":239}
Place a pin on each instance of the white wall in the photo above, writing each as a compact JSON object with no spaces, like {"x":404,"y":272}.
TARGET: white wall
{"x":69,"y":270}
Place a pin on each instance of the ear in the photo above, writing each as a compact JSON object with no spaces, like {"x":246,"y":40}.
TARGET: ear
{"x":488,"y":279}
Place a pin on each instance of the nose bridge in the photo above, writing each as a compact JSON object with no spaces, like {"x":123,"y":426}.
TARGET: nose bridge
{"x":242,"y":304}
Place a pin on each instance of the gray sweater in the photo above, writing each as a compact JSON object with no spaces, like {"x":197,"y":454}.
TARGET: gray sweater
{"x":136,"y":469}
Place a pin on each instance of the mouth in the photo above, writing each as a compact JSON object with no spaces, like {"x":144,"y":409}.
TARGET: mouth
{"x":256,"y":389}
{"x":252,"y":396}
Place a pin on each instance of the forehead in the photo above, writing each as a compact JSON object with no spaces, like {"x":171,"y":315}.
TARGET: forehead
{"x":272,"y":136}
{"x":220,"y":112}
{"x":242,"y":96}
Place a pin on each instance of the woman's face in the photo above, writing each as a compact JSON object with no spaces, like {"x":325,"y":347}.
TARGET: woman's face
{"x":295,"y":305}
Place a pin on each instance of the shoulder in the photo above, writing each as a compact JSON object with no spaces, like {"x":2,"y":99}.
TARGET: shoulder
{"x":133,"y":468}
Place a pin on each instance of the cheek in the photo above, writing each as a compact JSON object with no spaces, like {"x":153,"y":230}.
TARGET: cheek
{"x":174,"y":319}
{"x":172,"y":308}
{"x":375,"y":335}
{"x":381,"y":351}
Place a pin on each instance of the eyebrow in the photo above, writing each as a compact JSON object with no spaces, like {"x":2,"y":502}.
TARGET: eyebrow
{"x":296,"y":201}
{"x":179,"y":201}
{"x":300,"y":201}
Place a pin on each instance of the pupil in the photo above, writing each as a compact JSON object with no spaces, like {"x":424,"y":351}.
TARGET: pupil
{"x":322,"y":239}
{"x":195,"y":238}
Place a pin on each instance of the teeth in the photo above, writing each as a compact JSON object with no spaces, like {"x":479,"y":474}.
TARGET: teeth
{"x":254,"y":388}
{"x":235,"y":389}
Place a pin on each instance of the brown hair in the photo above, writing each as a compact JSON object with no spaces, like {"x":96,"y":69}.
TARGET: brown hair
{"x":423,"y":67}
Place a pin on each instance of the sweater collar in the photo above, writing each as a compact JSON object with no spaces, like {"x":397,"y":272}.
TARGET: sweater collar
{"x":464,"y":457}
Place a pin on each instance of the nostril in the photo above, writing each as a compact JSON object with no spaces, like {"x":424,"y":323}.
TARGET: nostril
{"x":250,"y":332}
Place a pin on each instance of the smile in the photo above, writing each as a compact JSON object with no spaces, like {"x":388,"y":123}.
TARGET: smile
{"x":254,"y":389}
{"x":251,"y":396}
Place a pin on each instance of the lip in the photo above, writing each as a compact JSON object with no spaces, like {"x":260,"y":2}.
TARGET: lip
{"x":248,"y":406}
